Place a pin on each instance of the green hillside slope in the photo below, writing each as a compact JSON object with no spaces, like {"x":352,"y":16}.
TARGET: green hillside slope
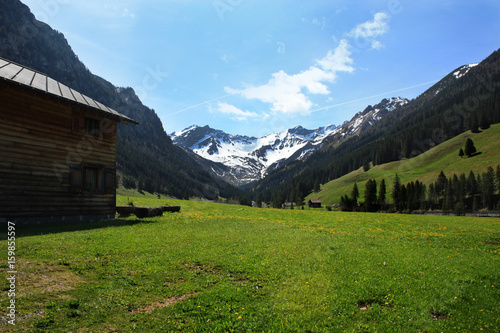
{"x":424,"y":167}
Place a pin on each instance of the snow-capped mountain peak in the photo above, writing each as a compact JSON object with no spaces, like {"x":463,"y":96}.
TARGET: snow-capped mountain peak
{"x":462,"y":71}
{"x":249,"y":159}
{"x":371,"y":115}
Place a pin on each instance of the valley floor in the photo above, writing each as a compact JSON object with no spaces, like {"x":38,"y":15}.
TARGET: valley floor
{"x":224,"y":268}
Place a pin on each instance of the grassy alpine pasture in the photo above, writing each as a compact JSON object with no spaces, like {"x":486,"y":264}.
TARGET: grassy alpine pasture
{"x":425,"y":167}
{"x":222,"y":268}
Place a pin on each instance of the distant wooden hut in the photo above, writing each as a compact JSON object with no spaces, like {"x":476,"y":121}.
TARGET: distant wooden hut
{"x":289,"y":205}
{"x":314,"y":203}
{"x":57,"y":150}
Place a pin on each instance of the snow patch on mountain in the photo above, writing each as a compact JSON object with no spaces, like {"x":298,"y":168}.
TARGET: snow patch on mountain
{"x":464,"y":70}
{"x":250,"y":159}
{"x":371,"y":115}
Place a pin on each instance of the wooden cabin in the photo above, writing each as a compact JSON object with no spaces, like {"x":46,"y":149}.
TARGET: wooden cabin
{"x":289,"y":205}
{"x":314,"y":203}
{"x":57,"y":150}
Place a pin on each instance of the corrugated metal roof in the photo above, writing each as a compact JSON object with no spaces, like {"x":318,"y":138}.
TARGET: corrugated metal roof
{"x":16,"y":73}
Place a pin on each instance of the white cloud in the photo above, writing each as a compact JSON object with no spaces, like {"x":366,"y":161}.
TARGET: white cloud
{"x":286,"y":92}
{"x":290,"y":94}
{"x":340,"y":10}
{"x":320,"y":22}
{"x":281,"y":48}
{"x":226,"y":58}
{"x":376,"y":45}
{"x":127,"y":13}
{"x":339,"y":60}
{"x":235,"y":112}
{"x":370,"y":30}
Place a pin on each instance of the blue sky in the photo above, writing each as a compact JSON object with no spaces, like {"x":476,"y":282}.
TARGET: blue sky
{"x":256,"y":67}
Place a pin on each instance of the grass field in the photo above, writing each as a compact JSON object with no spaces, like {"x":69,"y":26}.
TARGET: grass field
{"x":222,"y":268}
{"x":425,"y":167}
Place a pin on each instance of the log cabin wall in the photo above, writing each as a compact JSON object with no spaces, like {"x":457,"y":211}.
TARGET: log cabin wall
{"x":57,"y":159}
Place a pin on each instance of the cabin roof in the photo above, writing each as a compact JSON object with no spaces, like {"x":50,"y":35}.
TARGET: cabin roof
{"x":315,"y":201}
{"x":24,"y":76}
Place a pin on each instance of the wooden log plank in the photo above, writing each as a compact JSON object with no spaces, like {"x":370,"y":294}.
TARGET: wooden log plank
{"x":142,"y":212}
{"x":171,"y":209}
{"x":15,"y":150}
{"x":125,"y":210}
{"x":70,"y":199}
{"x":55,"y":134}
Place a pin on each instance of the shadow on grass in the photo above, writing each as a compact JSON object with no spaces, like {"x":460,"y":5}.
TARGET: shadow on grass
{"x":68,"y":226}
{"x":476,"y":154}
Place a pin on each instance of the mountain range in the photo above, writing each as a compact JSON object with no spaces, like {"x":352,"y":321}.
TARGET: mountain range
{"x":285,"y":166}
{"x":468,"y":98}
{"x":246,"y":160}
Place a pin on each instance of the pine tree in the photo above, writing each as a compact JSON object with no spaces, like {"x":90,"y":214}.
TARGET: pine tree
{"x":472,"y":188}
{"x":403,"y":202}
{"x":479,"y":191}
{"x":317,"y":186}
{"x":381,"y":194}
{"x":484,"y":123}
{"x":370,"y":195}
{"x":432,"y":197}
{"x":470,"y":149}
{"x":346,"y":204}
{"x":441,"y":183}
{"x":488,"y":188}
{"x":474,"y":127}
{"x":461,"y":153}
{"x":355,"y":194}
{"x":396,"y":192}
{"x":462,"y":188}
{"x":498,"y":178}
{"x":475,"y":204}
{"x":448,"y":197}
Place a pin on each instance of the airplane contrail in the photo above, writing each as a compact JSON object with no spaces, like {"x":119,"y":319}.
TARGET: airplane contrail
{"x":316,"y":110}
{"x":200,"y":104}
{"x":378,"y":95}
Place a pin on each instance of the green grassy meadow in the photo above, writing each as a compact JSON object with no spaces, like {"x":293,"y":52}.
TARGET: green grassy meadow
{"x":425,"y":167}
{"x":223,"y":268}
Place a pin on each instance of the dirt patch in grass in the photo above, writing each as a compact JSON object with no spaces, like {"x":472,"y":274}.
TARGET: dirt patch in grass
{"x":163,"y":304}
{"x":492,"y":243}
{"x":196,"y":267}
{"x":363,"y":306}
{"x":215,"y":271}
{"x":366,"y":304}
{"x":34,"y":278}
{"x":240,"y":281}
{"x":439,"y":315}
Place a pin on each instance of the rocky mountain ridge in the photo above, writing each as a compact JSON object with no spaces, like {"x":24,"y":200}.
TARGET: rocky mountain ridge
{"x":249,"y":159}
